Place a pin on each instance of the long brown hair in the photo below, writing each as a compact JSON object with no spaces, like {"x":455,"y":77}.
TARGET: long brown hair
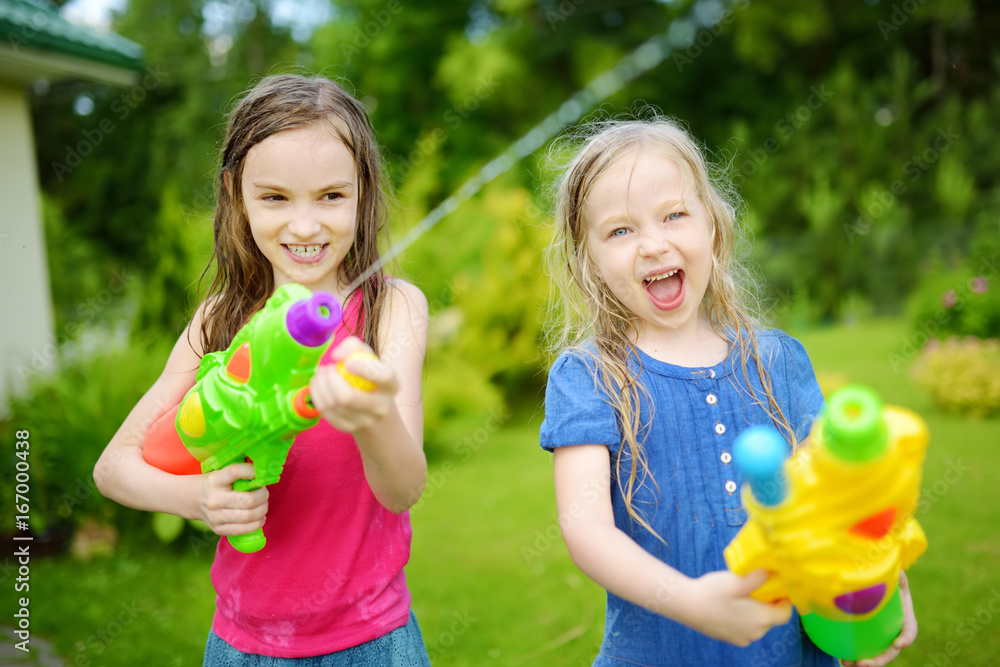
{"x":244,"y":279}
{"x":587,"y":310}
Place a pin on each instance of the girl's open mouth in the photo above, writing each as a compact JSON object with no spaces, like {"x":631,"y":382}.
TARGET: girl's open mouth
{"x":665,"y":290}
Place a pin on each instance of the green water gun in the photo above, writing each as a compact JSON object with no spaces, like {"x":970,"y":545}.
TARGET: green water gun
{"x":833,"y":522}
{"x":250,"y":400}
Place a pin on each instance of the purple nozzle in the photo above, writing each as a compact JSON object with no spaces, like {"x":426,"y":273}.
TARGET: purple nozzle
{"x":311,"y":321}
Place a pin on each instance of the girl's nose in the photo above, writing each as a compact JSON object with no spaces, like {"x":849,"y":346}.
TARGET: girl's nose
{"x":303,"y":224}
{"x":654,"y":244}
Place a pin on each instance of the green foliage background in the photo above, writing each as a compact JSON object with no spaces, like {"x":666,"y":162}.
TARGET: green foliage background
{"x":860,"y":135}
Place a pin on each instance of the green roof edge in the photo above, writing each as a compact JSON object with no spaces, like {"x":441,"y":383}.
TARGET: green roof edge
{"x":109,"y":49}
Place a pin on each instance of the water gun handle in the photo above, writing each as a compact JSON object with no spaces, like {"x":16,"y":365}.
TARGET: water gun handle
{"x":248,"y":542}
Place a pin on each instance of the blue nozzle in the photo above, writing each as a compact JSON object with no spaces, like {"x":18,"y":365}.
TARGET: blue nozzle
{"x":760,"y":453}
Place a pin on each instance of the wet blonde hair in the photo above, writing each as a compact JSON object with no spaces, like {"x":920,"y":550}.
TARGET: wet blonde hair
{"x":587,"y":311}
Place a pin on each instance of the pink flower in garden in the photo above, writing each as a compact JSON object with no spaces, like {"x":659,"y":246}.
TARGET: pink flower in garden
{"x":949,"y":298}
{"x":979,"y":285}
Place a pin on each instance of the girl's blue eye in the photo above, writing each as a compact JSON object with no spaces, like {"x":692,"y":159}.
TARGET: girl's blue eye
{"x":621,"y":231}
{"x":675,"y":216}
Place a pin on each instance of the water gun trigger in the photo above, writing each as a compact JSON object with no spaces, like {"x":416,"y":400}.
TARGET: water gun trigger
{"x":772,"y":590}
{"x":302,"y":404}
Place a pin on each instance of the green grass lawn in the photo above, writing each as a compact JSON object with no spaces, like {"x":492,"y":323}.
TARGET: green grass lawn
{"x":491,"y":580}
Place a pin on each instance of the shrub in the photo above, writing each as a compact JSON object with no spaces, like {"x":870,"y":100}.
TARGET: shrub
{"x":963,"y":375}
{"x":485,"y":329}
{"x":71,"y":416}
{"x":962,"y":302}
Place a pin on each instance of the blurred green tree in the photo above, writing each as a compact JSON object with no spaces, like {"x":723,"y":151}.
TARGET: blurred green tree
{"x":859,"y":135}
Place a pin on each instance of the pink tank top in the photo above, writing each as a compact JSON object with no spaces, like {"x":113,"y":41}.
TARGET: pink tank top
{"x":331,"y":574}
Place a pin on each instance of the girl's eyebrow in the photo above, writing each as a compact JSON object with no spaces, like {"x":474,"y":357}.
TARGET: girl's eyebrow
{"x":614,"y":220}
{"x":624,"y":217}
{"x":336,"y":185}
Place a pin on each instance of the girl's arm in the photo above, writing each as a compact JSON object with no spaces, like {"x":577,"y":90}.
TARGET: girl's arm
{"x":122,"y":475}
{"x":717,"y":604}
{"x":388,"y":421}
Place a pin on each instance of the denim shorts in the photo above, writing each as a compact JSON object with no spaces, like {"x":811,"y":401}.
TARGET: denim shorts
{"x":403,"y":647}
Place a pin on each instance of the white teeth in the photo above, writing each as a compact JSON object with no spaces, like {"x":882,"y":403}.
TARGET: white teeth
{"x":661,"y":276}
{"x":305,"y":250}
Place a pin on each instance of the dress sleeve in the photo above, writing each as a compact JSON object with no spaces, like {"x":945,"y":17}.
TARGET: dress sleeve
{"x":576,"y":409}
{"x":805,"y":400}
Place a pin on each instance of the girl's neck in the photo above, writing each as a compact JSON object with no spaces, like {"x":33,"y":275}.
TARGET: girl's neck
{"x":695,"y":346}
{"x":333,"y":284}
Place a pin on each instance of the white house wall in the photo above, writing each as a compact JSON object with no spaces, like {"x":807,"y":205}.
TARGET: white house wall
{"x":27,"y":338}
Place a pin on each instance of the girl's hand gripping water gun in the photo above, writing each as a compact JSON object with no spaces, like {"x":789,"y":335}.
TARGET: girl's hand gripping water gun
{"x":834,"y":521}
{"x":250,"y":400}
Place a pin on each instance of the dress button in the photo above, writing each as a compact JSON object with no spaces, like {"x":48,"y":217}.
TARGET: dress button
{"x":726,"y":457}
{"x":730,"y":486}
{"x":720,"y":428}
{"x":711,"y":399}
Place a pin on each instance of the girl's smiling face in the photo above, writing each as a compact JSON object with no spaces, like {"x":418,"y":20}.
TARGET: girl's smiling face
{"x":300,"y":191}
{"x":649,"y":238}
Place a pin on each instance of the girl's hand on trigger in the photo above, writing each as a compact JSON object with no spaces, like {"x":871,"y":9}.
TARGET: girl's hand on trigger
{"x":352,"y":406}
{"x":229,"y":512}
{"x":721,"y":607}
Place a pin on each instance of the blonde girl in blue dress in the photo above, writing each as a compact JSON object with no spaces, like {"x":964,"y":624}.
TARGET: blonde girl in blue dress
{"x":662,"y":365}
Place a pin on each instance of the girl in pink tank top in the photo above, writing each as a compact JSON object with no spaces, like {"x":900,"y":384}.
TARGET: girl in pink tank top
{"x":301,"y":200}
{"x":331,"y":574}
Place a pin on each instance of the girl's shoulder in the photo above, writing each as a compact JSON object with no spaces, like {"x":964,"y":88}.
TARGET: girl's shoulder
{"x":784,"y":354}
{"x":577,"y":359}
{"x":405,"y":316}
{"x":772,"y":335}
{"x":772,"y":342}
{"x":202,"y":311}
{"x":401,"y":284}
{"x":579,"y":369}
{"x":405,"y":300}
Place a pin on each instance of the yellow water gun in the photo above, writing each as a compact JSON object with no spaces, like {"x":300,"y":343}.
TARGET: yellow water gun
{"x":834,"y":522}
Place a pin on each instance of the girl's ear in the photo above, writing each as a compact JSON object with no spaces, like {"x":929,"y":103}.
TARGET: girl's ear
{"x":227,"y":183}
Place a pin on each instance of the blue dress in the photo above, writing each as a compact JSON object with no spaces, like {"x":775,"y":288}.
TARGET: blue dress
{"x":694,"y":505}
